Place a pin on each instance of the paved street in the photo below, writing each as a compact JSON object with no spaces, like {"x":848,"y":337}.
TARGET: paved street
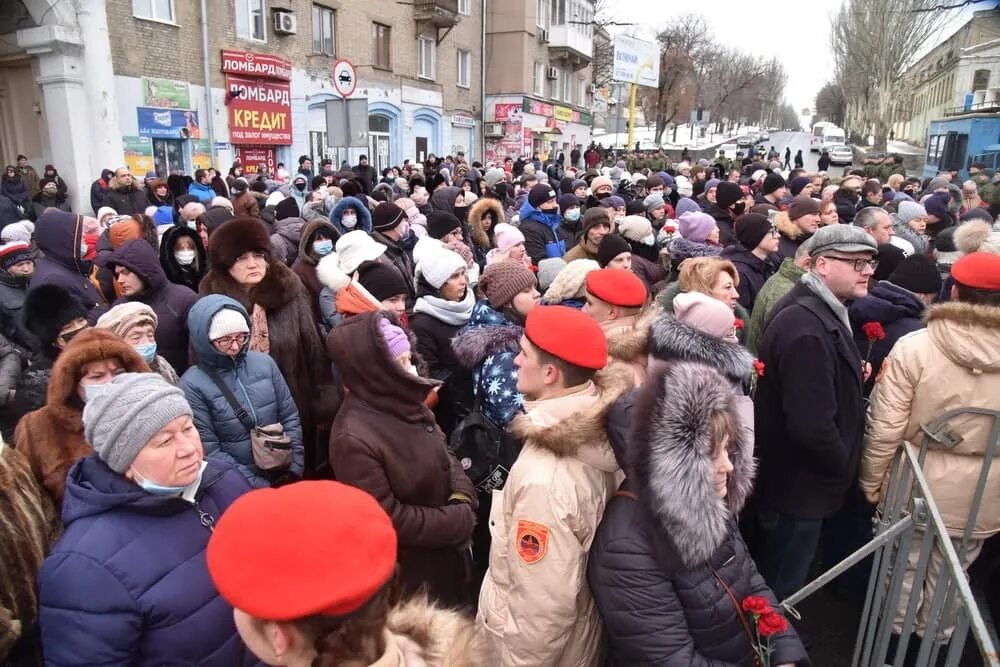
{"x":796,"y":141}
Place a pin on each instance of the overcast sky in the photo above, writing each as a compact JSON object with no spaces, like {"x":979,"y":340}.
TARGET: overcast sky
{"x":796,"y":32}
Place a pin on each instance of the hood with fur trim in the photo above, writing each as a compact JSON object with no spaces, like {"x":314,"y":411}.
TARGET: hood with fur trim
{"x":488,"y":332}
{"x":568,"y":436}
{"x":968,"y":334}
{"x":480,"y":236}
{"x":435,"y":636}
{"x":669,"y":459}
{"x":630,"y":343}
{"x":672,"y":340}
{"x":786,"y":227}
{"x":364,"y":215}
{"x":308,"y":233}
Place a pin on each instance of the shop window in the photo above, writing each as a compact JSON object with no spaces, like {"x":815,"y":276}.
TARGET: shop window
{"x":250,"y":20}
{"x":381,"y":39}
{"x":425,"y":57}
{"x":464,"y":73}
{"x":155,"y":10}
{"x":323,"y":30}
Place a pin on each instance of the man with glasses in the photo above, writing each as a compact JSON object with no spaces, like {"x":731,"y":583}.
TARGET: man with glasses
{"x":809,"y":408}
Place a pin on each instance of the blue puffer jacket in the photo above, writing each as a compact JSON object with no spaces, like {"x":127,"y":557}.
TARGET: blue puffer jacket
{"x":257,"y":384}
{"x":203,"y":192}
{"x":364,"y":215}
{"x":541,"y":236}
{"x":127,"y":584}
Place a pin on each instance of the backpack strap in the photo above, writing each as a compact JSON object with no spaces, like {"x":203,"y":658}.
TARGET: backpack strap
{"x":241,"y":413}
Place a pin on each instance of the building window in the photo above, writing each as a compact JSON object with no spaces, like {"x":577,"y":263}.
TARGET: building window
{"x":558,"y":12}
{"x":981,"y":79}
{"x":538,"y":80}
{"x":582,"y":100}
{"x":425,"y":57}
{"x":157,"y":10}
{"x":543,"y":9}
{"x":567,"y":87}
{"x":464,"y":73}
{"x":381,"y":38}
{"x":553,"y":82}
{"x":250,"y":20}
{"x":323,"y":23}
{"x":465,"y":7}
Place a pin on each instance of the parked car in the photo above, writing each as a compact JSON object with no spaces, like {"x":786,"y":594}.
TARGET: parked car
{"x":765,"y":136}
{"x":745,"y":141}
{"x":840,"y":154}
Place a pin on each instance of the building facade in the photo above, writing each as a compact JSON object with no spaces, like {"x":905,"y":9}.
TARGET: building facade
{"x":538,"y":77}
{"x":160,"y":86}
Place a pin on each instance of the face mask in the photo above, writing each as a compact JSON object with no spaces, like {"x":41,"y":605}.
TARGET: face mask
{"x":185,"y":257}
{"x":573,"y":214}
{"x":323,"y":247}
{"x":147,"y":351}
{"x":300,"y":186}
{"x":83,"y":249}
{"x":163,"y":490}
{"x":618,"y":219}
{"x":193,"y":224}
{"x":349,"y":221}
{"x":92,"y":391}
{"x":648,"y":240}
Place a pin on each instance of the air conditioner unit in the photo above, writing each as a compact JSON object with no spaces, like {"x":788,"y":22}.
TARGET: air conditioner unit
{"x":285,"y":23}
{"x":495,"y":130}
{"x":551,"y":73}
{"x":543,"y":36}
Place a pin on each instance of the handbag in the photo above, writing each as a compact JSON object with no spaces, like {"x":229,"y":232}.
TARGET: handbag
{"x":271,"y":447}
{"x":485,"y":451}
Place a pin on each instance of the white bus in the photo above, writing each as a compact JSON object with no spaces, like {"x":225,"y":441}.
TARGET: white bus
{"x":816,"y":141}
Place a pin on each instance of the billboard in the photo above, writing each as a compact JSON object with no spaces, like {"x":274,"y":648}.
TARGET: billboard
{"x":167,"y":123}
{"x":260,"y":111}
{"x":636,"y":62}
{"x":165,"y":93}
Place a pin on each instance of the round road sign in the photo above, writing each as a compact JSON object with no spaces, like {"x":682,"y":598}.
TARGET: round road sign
{"x":345,"y":79}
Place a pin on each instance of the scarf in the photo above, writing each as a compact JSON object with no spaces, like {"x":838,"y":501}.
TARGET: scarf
{"x":455,"y":313}
{"x":819,"y":288}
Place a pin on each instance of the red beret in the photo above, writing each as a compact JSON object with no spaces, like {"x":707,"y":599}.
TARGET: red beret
{"x":979,"y":270}
{"x":567,"y":334}
{"x":617,"y":287}
{"x":303,"y":549}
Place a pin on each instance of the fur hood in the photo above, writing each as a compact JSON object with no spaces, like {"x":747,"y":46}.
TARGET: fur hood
{"x":967,"y":334}
{"x":476,"y":212}
{"x":279,"y":287}
{"x":566,"y":437}
{"x":672,"y":340}
{"x":306,"y":252}
{"x":680,"y":249}
{"x":442,"y":637}
{"x":631,"y":343}
{"x":786,"y":227}
{"x":670,"y":459}
{"x":488,"y":332}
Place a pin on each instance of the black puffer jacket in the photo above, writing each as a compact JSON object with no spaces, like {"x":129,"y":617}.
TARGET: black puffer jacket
{"x":659,"y":553}
{"x":753,"y":272}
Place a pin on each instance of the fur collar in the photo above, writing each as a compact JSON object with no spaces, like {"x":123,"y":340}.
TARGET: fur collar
{"x":964,"y":313}
{"x":280,"y":286}
{"x":669,"y":458}
{"x":585,"y":428}
{"x":631,"y":343}
{"x":445,"y":637}
{"x":474,"y":343}
{"x":476,"y":212}
{"x":672,"y":340}
{"x":786,"y":227}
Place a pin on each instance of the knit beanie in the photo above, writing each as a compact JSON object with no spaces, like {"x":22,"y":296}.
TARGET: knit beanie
{"x":711,"y":183}
{"x":18,"y":231}
{"x":438,"y":264}
{"x":122,"y":232}
{"x":889,"y":257}
{"x":635,"y":228}
{"x":593,"y":217}
{"x":502,"y":281}
{"x":120,"y":420}
{"x":702,"y":312}
{"x":695,"y":227}
{"x":686,"y":205}
{"x":571,"y":281}
{"x":395,"y":338}
{"x":381,"y":280}
{"x":610,"y":247}
{"x":14,"y":253}
{"x":507,"y":236}
{"x":798,"y":184}
{"x":240,"y":185}
{"x":603,"y":181}
{"x":493,"y":176}
{"x":937,"y":183}
{"x":653,"y":201}
{"x":801,"y":206}
{"x":937,"y":205}
{"x":772,"y":182}
{"x":387,"y":216}
{"x":540,"y":194}
{"x":918,"y":274}
{"x":123,"y":317}
{"x":909,"y":210}
{"x":751,"y":229}
{"x":441,"y":223}
{"x":225,"y":322}
{"x":567,"y":202}
{"x":286,"y":208}
{"x":727,"y":194}
{"x":548,"y":269}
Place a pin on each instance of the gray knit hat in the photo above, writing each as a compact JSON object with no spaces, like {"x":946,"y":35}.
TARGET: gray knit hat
{"x":119,"y":421}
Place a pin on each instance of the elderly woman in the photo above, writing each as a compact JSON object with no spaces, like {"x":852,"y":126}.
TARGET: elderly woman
{"x":135,"y":323}
{"x":127,"y":584}
{"x":714,"y":277}
{"x":52,"y":437}
{"x":233,"y":390}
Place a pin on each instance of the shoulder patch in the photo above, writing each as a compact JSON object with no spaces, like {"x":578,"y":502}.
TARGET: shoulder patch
{"x":532,"y":541}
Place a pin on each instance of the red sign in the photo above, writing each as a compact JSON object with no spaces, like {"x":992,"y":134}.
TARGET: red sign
{"x":260,"y":111}
{"x":536,"y":107}
{"x":256,"y":65}
{"x":256,"y":160}
{"x":507,"y":112}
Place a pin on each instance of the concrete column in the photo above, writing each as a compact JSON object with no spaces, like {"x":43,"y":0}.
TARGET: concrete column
{"x":106,"y":150}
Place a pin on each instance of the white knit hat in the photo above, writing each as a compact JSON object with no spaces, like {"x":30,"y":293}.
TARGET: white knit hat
{"x":507,"y":236}
{"x":356,"y":247}
{"x":225,"y":322}
{"x":438,"y":264}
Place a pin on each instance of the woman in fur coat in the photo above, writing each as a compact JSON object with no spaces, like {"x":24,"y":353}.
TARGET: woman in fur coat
{"x":668,"y":568}
{"x":484,"y":215}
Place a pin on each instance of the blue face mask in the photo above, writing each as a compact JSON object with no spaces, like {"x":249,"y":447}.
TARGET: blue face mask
{"x":323,"y":247}
{"x":147,"y":351}
{"x":164,"y":490}
{"x":573,"y":214}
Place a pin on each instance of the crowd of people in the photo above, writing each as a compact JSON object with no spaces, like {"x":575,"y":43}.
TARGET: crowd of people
{"x":519,"y":413}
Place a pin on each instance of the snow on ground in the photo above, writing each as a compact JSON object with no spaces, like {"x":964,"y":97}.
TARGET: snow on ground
{"x":645,"y":135}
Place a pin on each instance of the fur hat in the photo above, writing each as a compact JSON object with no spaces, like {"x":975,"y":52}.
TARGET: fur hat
{"x":969,"y":236}
{"x":47,"y":309}
{"x":236,"y":237}
{"x":548,"y":269}
{"x":502,"y":281}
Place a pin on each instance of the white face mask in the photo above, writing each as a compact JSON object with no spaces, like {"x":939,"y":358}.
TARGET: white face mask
{"x":184,"y":257}
{"x":648,"y":240}
{"x":349,"y":221}
{"x":83,"y":249}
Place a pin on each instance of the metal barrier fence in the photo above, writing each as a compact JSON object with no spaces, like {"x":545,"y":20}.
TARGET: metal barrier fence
{"x":910,"y":531}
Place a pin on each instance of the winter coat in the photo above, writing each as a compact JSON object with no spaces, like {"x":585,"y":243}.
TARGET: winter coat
{"x":434,"y":338}
{"x":9,"y":212}
{"x":16,"y":189}
{"x":245,"y":205}
{"x":286,"y":239}
{"x":127,"y":584}
{"x":809,"y":408}
{"x":255,"y":381}
{"x":59,"y":237}
{"x":899,"y":312}
{"x":753,"y":272}
{"x":846,"y":203}
{"x":189,"y":276}
{"x":952,"y":364}
{"x":790,"y":236}
{"x":667,"y":535}
{"x":385,"y":441}
{"x":776,"y":287}
{"x":13,"y":291}
{"x":40,"y":202}
{"x":535,"y":606}
{"x":51,"y":437}
{"x":541,"y":237}
{"x":129,"y":200}
{"x":293,"y":335}
{"x":364,"y":215}
{"x":401,"y":257}
{"x":170,"y":302}
{"x":99,"y":191}
{"x":307,"y":259}
{"x":482,"y":239}
{"x":367,"y":173}
{"x":486,"y":346}
{"x":202,"y":192}
{"x":723,"y":221}
{"x":628,"y":340}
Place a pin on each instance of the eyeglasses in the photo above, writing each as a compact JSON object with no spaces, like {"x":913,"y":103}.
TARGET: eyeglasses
{"x":226,"y":342}
{"x":70,"y":335}
{"x":859,"y":264}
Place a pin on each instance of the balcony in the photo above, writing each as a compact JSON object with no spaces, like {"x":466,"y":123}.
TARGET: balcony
{"x":440,"y":13}
{"x":568,"y":44}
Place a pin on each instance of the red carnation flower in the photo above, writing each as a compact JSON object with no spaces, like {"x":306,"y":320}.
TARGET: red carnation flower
{"x":757,"y":604}
{"x":738,"y":323}
{"x":758,"y":367}
{"x":771,"y":623}
{"x":873,"y":331}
